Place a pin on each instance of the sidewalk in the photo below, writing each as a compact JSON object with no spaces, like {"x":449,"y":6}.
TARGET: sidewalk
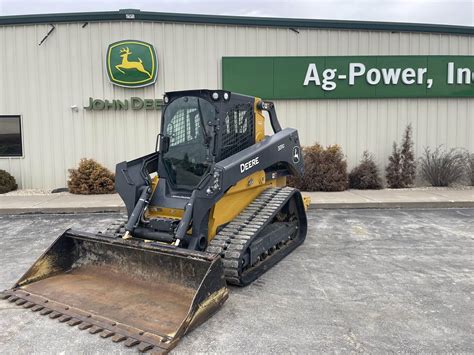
{"x":394,"y":198}
{"x":60,"y":203}
{"x":387,"y":198}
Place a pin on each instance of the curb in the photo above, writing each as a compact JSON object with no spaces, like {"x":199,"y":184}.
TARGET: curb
{"x":393,"y":205}
{"x":57,"y":210}
{"x":312,"y":206}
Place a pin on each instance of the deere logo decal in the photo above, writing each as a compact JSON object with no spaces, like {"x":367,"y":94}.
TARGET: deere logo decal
{"x":131,"y":63}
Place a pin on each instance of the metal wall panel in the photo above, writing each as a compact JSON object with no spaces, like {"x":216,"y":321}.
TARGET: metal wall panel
{"x":42,"y":82}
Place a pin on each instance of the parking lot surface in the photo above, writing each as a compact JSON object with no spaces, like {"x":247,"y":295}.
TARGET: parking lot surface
{"x":364,"y":281}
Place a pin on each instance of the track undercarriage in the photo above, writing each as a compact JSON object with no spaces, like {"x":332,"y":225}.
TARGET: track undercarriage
{"x":272,"y":226}
{"x":261,"y":235}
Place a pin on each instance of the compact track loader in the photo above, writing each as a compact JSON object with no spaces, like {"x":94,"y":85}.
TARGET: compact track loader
{"x":209,"y":207}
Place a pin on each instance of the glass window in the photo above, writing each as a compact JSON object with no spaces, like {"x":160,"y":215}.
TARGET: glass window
{"x":184,"y":120}
{"x":10,"y":136}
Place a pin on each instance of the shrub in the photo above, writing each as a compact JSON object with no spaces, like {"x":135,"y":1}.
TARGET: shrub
{"x":401,"y":169}
{"x":394,"y":167}
{"x":470,"y":169}
{"x":325,"y":170}
{"x":91,"y":178}
{"x":441,"y":167}
{"x":366,"y":175}
{"x":7,"y":182}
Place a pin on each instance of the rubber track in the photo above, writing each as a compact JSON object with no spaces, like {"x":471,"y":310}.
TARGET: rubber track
{"x":232,"y":241}
{"x":116,"y":228}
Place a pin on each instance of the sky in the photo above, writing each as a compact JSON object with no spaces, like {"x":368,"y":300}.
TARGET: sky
{"x":452,"y":12}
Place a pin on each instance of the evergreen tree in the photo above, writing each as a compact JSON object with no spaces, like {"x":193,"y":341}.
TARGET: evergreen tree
{"x":408,"y":168}
{"x":394,"y":168}
{"x":366,"y":175}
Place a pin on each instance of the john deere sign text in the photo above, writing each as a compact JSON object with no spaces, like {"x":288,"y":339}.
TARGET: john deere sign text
{"x":131,"y":63}
{"x":350,"y":77}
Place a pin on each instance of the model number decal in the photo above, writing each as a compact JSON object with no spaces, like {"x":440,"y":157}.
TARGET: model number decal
{"x":281,"y":146}
{"x":246,"y":166}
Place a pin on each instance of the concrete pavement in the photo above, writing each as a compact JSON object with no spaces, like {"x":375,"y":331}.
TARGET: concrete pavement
{"x":387,"y":198}
{"x":364,"y":281}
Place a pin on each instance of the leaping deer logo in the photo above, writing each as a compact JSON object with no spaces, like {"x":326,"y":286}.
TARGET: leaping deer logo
{"x":126,"y":64}
{"x":296,"y":154}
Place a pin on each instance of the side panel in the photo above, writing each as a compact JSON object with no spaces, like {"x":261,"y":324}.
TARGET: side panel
{"x":282,"y":147}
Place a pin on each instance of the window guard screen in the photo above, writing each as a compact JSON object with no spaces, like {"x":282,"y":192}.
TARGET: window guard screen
{"x":237,"y":130}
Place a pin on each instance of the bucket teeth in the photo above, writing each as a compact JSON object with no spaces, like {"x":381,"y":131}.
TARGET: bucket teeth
{"x":45,"y":311}
{"x":118,"y":338}
{"x":73,"y":322}
{"x":107,"y":334}
{"x":113,"y":331}
{"x":95,"y":329}
{"x":64,"y":318}
{"x":84,"y":326}
{"x":37,"y":308}
{"x":142,"y":347}
{"x":54,"y":315}
{"x":131,"y":342}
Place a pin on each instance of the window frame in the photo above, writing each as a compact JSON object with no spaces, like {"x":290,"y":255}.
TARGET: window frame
{"x":21,"y":138}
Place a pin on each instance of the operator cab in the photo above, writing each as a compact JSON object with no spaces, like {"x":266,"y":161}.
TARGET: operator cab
{"x":198,"y":129}
{"x":187,"y":157}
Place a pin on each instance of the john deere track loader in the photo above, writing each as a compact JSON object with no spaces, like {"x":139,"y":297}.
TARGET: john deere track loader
{"x":209,"y":207}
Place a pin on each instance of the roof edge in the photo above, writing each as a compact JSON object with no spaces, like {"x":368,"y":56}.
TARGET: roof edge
{"x":137,"y":15}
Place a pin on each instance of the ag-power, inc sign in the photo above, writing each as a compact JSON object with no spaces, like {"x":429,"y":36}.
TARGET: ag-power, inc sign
{"x":350,"y":77}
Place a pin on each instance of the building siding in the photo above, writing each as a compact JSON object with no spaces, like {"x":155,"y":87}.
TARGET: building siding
{"x":42,"y":82}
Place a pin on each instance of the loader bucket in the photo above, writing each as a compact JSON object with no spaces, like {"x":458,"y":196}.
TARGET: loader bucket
{"x":144,"y":294}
